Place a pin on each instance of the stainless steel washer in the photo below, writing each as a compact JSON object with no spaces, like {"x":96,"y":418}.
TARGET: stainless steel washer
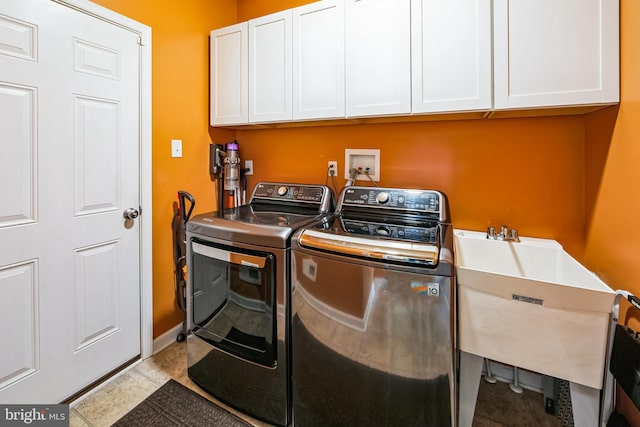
{"x":238,"y":288}
{"x":373,"y":312}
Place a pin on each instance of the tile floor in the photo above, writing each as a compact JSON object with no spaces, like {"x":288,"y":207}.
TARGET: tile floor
{"x":497,"y":404}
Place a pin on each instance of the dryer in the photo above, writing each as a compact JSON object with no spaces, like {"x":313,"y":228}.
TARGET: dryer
{"x":238,"y":287}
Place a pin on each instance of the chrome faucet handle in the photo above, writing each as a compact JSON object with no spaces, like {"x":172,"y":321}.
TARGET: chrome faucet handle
{"x":505,"y":234}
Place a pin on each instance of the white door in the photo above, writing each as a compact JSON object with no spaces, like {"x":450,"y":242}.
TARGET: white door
{"x":318,"y":60}
{"x":69,"y":167}
{"x":270,"y":68}
{"x":451,"y":55}
{"x":378,"y":57}
{"x":556,"y":53}
{"x":229,"y":86}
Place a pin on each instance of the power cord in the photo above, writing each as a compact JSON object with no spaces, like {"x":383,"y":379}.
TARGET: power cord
{"x":331,"y":173}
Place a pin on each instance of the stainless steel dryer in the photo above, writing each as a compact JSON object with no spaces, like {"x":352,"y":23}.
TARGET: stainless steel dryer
{"x":238,"y":287}
{"x":373,"y":312}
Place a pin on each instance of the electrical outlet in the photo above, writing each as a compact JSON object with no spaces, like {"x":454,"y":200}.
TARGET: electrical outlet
{"x":248,"y":164}
{"x":332,"y":168}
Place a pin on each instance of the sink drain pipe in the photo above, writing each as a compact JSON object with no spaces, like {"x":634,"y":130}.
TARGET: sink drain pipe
{"x":515,"y":385}
{"x":488,"y":376}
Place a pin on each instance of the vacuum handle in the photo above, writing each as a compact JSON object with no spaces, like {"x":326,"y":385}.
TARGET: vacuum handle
{"x":182,"y":195}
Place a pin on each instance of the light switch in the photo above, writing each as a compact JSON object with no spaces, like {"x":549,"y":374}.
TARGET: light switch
{"x":176,"y":148}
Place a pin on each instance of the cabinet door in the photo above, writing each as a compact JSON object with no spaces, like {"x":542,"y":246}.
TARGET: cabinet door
{"x":378,"y":57}
{"x":318,"y":60}
{"x":553,"y":53}
{"x":451,"y":55}
{"x":270,"y":68}
{"x":229,"y":69}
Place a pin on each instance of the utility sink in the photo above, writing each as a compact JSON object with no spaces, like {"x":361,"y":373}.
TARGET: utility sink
{"x":531,"y":305}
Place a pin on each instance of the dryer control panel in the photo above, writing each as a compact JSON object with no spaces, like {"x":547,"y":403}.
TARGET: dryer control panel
{"x":278,"y":191}
{"x":319,"y":196}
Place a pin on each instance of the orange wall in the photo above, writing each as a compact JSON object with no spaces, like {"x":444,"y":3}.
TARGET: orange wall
{"x":180,"y":72}
{"x":613,"y":171}
{"x":249,"y":9}
{"x":526,"y":173}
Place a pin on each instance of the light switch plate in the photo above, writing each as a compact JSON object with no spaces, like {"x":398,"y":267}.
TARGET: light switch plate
{"x":176,"y":148}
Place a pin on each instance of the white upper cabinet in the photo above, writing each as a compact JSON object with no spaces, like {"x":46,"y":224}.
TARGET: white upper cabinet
{"x":318,"y":60}
{"x":378,"y":57}
{"x":366,"y":58}
{"x":270,"y":47}
{"x":556,"y":53}
{"x":451,"y":55}
{"x":228,"y":76}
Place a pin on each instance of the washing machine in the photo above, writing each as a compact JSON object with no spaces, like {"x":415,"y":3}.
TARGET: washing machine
{"x":373,"y":303}
{"x":238,"y":304}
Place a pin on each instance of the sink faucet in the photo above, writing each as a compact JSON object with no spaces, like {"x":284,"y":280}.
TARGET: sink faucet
{"x":505,"y":234}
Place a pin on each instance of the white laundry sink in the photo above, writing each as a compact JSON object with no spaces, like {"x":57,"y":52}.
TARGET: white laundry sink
{"x":531,"y":305}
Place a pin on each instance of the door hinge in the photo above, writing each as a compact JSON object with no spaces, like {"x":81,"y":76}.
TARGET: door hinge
{"x":140,"y":40}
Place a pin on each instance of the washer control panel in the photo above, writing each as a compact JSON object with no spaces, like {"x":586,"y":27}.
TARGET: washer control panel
{"x":408,"y":200}
{"x":395,"y":231}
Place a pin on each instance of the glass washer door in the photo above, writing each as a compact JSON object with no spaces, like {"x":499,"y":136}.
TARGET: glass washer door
{"x":233,"y":300}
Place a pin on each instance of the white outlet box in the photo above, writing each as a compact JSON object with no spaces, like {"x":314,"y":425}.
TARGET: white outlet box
{"x":248,"y":164}
{"x":176,"y":148}
{"x":332,"y":168}
{"x":362,"y":160}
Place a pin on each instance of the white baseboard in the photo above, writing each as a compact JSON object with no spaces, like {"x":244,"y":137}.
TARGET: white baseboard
{"x":166,"y":339}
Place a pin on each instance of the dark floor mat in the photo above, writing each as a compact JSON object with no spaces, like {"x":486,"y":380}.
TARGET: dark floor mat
{"x":175,"y":405}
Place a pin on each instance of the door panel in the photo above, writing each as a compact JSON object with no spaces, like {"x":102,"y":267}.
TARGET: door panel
{"x":17,"y":154}
{"x":550,"y":53}
{"x":229,"y":86}
{"x":378,"y":62}
{"x":70,"y":166}
{"x":18,"y":301}
{"x":451,"y":55}
{"x":96,"y":162}
{"x":318,"y":60}
{"x":96,"y":60}
{"x":97,"y":304}
{"x":270,"y":51}
{"x":17,"y":38}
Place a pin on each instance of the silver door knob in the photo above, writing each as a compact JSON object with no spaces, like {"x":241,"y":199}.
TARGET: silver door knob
{"x":130,"y":213}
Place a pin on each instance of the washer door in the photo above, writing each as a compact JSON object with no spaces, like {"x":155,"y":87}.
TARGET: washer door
{"x":233,"y":300}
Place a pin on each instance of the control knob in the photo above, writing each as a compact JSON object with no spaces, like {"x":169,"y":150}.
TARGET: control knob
{"x":282,"y":191}
{"x":383,"y":231}
{"x":382,"y":197}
